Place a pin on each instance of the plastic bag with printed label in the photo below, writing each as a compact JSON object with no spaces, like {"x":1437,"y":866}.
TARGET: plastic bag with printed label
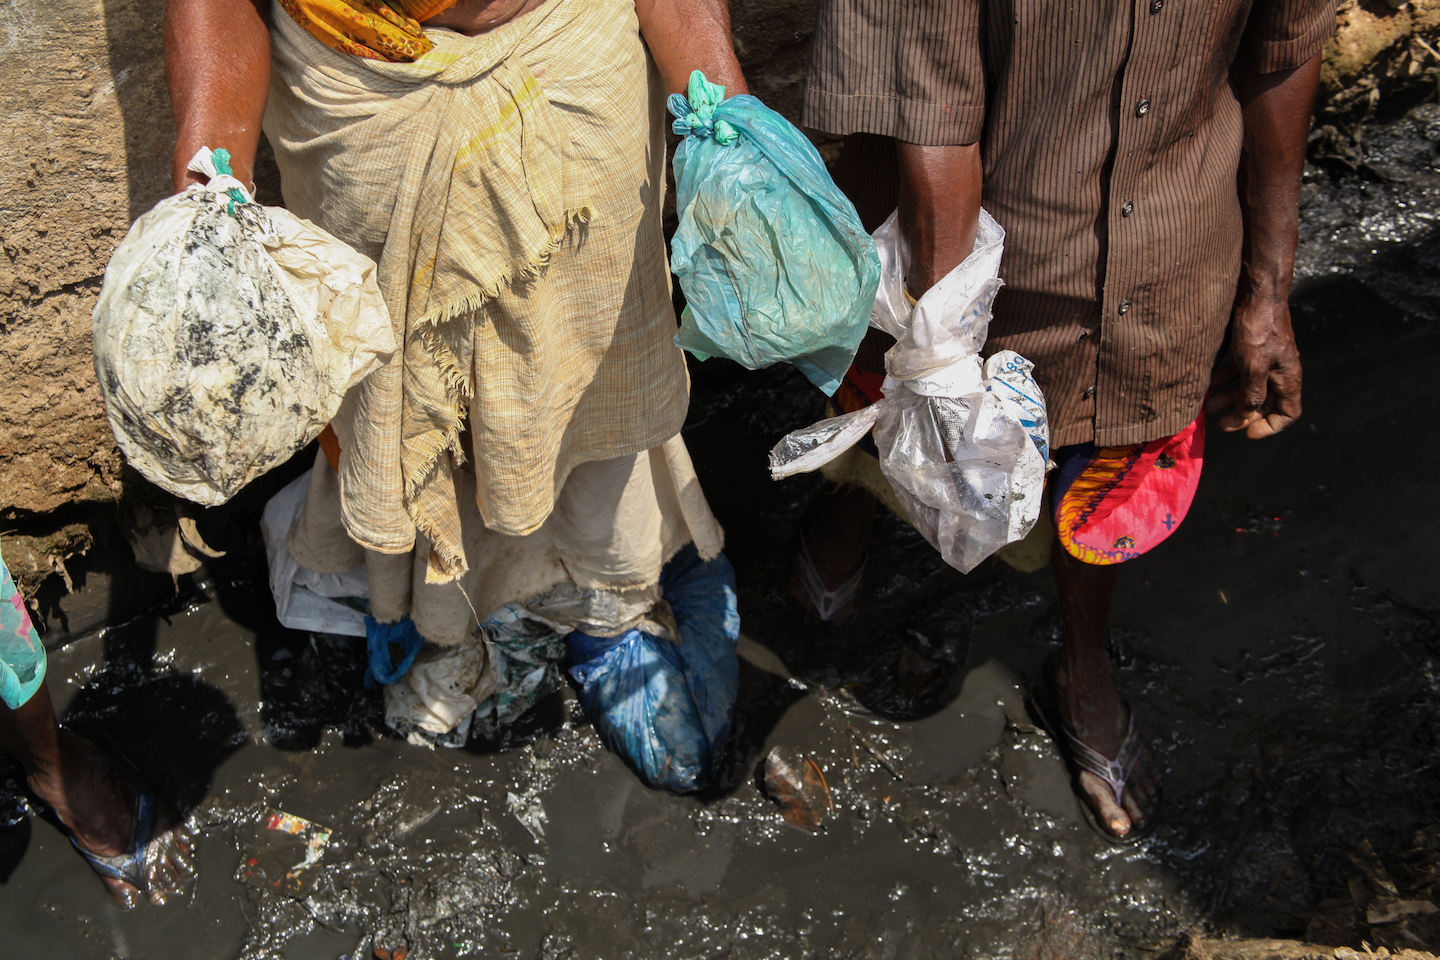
{"x":964,"y":443}
{"x":227,"y":333}
{"x":773,"y":259}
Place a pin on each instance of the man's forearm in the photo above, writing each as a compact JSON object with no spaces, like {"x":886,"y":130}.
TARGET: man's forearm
{"x":939,"y":209}
{"x":687,"y":35}
{"x":1277,"y":109}
{"x":217,"y":65}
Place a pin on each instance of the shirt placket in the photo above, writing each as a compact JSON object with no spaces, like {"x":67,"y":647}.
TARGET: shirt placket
{"x":1118,"y":390}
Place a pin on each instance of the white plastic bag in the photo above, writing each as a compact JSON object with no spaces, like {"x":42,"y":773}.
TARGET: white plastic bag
{"x":963,"y":444}
{"x":304,"y":599}
{"x":226,"y":335}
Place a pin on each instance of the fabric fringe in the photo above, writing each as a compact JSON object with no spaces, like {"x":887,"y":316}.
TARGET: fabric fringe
{"x":460,"y":384}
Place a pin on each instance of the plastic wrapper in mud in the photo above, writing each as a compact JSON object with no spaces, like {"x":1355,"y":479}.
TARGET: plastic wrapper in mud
{"x":964,"y":443}
{"x":666,"y":704}
{"x":226,"y":335}
{"x":773,"y":259}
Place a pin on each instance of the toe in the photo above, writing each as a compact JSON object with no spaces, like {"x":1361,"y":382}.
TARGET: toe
{"x":124,"y":894}
{"x":173,"y":866}
{"x":1143,"y":796}
{"x":1112,"y":819}
{"x":182,"y":860}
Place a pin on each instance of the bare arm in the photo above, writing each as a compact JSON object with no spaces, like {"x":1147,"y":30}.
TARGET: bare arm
{"x":686,"y":35}
{"x":939,"y":209}
{"x":1266,"y":362}
{"x":217,"y":64}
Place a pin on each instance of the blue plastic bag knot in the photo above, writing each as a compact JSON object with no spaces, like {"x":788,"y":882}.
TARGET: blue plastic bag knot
{"x":221,"y":158}
{"x":378,"y":637}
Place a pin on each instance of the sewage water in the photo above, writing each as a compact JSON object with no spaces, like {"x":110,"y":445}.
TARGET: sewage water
{"x":1281,"y":651}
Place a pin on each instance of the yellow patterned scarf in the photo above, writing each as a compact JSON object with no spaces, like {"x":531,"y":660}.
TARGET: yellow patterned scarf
{"x":374,"y":29}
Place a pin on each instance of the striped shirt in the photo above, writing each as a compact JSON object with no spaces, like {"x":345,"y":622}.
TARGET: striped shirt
{"x":1110,"y":138}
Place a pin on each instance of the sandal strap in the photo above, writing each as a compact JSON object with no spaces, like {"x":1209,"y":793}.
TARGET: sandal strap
{"x":1116,"y":772}
{"x":827,"y":602}
{"x":131,"y":866}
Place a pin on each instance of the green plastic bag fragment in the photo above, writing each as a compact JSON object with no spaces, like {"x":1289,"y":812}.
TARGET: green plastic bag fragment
{"x":772,"y":257}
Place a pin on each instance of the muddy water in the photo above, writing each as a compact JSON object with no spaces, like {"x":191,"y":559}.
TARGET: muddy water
{"x":1281,"y":650}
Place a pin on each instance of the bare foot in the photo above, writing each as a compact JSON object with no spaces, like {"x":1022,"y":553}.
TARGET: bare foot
{"x":1090,"y":708}
{"x":96,"y":803}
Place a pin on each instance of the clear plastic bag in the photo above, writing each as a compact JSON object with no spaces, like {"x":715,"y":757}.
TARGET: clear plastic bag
{"x":772,"y":257}
{"x":227,"y":333}
{"x":964,"y":443}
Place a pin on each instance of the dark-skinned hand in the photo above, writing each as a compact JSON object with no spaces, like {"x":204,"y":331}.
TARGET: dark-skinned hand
{"x":1258,"y":389}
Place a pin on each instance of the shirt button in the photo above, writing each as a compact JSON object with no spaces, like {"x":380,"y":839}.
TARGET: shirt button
{"x":1155,"y":5}
{"x":1090,"y":391}
{"x":1124,"y":307}
{"x":1127,"y":208}
{"x":1142,"y":108}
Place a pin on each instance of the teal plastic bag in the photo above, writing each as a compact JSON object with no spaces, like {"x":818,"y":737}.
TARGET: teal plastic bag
{"x":772,"y":258}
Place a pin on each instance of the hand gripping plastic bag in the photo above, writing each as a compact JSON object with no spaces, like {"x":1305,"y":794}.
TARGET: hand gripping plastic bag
{"x":226,"y":335}
{"x":772,"y":258}
{"x":963,"y":443}
{"x":666,"y":705}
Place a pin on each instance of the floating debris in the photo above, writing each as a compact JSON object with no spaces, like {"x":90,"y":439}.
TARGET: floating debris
{"x":289,"y":848}
{"x":797,"y":784}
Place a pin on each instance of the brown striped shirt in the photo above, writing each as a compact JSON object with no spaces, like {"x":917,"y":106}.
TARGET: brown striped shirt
{"x":1110,"y":138}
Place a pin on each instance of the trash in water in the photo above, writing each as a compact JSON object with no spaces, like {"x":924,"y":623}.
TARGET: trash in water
{"x":880,"y":757}
{"x":797,"y":784}
{"x":288,"y":847}
{"x":529,"y":812}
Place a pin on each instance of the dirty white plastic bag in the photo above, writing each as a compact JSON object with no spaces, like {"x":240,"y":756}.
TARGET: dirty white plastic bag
{"x":226,"y":335}
{"x":304,"y":599}
{"x":963,"y":443}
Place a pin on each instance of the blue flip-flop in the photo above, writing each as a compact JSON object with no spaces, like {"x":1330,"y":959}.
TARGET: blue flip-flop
{"x":132,"y":866}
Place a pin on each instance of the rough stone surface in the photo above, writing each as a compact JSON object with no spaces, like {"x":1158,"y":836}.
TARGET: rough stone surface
{"x":84,"y":150}
{"x":1379,"y":55}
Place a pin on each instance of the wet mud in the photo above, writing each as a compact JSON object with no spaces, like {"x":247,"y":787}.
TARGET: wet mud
{"x":1282,"y":651}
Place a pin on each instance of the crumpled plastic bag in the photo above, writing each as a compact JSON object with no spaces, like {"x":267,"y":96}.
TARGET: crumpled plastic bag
{"x":964,"y":444}
{"x":227,"y":333}
{"x":772,"y":257}
{"x":666,"y":704}
{"x":488,"y":681}
{"x":304,"y":599}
